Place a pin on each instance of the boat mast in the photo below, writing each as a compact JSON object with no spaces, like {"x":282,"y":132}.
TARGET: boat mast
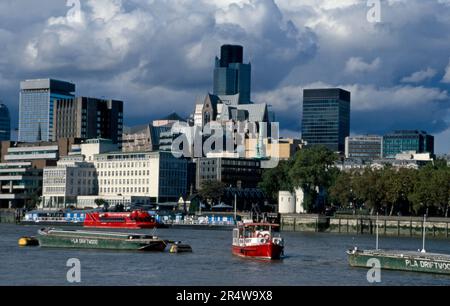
{"x":235,"y":207}
{"x":424,"y":233}
{"x":376,"y":245}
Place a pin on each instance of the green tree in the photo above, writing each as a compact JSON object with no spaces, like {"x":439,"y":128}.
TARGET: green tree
{"x":194,"y":206}
{"x":276,"y":179}
{"x":212,"y":190}
{"x":367,"y":188}
{"x":341,"y":191}
{"x":440,"y":190}
{"x":311,"y":171}
{"x":102,"y":203}
{"x":34,"y":200}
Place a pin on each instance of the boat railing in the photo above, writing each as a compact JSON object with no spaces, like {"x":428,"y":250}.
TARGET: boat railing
{"x":199,"y":222}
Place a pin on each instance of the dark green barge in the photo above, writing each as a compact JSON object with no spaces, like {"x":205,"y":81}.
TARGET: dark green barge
{"x":53,"y":238}
{"x":401,"y":260}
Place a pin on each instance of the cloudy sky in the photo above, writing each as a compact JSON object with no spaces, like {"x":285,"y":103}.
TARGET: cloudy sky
{"x":158,"y":55}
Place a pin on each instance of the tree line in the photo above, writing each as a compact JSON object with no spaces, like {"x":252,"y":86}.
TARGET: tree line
{"x":387,"y":191}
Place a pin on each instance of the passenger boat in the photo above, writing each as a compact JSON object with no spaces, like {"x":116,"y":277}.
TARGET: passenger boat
{"x":128,"y":220}
{"x":413,"y":261}
{"x":256,"y":240}
{"x":54,"y":238}
{"x":54,"y":218}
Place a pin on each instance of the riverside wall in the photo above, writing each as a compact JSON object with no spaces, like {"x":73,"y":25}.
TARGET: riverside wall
{"x":362,"y":225}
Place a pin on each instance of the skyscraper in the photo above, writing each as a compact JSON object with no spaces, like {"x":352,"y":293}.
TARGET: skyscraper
{"x":231,"y":75}
{"x":86,"y":118}
{"x":5,"y":123}
{"x":37,"y":100}
{"x":326,"y":117}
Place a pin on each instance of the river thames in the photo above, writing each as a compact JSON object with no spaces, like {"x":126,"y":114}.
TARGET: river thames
{"x":311,"y":259}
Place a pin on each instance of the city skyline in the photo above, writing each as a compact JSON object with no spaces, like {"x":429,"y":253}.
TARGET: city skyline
{"x":390,"y":91}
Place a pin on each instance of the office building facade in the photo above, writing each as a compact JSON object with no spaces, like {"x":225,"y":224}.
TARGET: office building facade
{"x":20,"y":184}
{"x":5,"y":123}
{"x":36,"y":108}
{"x":326,"y":117}
{"x":231,"y":75}
{"x":407,"y":140}
{"x":233,"y":172}
{"x":88,"y":118}
{"x":365,"y":148}
{"x":158,"y":176}
{"x":21,"y":169}
{"x":70,"y":178}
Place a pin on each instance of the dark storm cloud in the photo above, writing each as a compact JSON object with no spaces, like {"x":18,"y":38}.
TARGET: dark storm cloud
{"x":158,"y":55}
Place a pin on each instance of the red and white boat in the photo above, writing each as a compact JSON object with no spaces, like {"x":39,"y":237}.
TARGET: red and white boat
{"x":256,"y":240}
{"x":129,"y":220}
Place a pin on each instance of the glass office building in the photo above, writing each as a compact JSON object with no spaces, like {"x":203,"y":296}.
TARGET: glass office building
{"x":365,"y":148}
{"x":37,"y":100}
{"x":5,"y":123}
{"x":326,"y":117}
{"x":406,"y":141}
{"x":231,"y":75}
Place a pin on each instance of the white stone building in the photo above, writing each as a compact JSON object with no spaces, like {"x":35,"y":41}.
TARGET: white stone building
{"x":72,"y":177}
{"x":116,"y":177}
{"x":156,"y":175}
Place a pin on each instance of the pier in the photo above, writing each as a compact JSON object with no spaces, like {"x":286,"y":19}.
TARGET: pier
{"x":366,"y":225}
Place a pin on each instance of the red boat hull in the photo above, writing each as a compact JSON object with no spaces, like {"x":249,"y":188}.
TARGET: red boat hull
{"x":263,"y":251}
{"x":119,"y":225}
{"x":118,"y":220}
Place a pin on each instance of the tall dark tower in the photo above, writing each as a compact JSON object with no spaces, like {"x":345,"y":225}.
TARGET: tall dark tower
{"x":326,"y":117}
{"x":231,"y":75}
{"x":231,"y":54}
{"x":5,"y":123}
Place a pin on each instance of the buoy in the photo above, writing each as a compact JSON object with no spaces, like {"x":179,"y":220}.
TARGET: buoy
{"x":28,"y":241}
{"x":180,"y":248}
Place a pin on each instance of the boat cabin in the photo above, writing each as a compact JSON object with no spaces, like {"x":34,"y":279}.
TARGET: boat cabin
{"x":253,"y":233}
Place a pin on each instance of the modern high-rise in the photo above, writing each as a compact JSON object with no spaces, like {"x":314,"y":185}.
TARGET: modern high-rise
{"x":326,"y":117}
{"x":5,"y":123}
{"x":231,"y":75}
{"x":407,"y":141}
{"x":365,"y":148}
{"x":36,"y":109}
{"x":88,"y":118}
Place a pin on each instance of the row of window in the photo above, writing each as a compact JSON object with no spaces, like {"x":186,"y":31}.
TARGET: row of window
{"x":107,"y":165}
{"x":120,"y":190}
{"x":125,"y":182}
{"x":124,"y":173}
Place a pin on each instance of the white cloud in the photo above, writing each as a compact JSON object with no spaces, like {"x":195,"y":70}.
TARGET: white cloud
{"x":442,"y":142}
{"x":395,"y":103}
{"x":446,"y":78}
{"x":420,"y":76}
{"x":357,"y":65}
{"x":167,"y":36}
{"x":370,"y":97}
{"x":158,"y":55}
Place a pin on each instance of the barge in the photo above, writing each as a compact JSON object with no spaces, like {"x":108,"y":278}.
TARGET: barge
{"x":54,"y":238}
{"x":412,"y":261}
{"x":401,"y":260}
